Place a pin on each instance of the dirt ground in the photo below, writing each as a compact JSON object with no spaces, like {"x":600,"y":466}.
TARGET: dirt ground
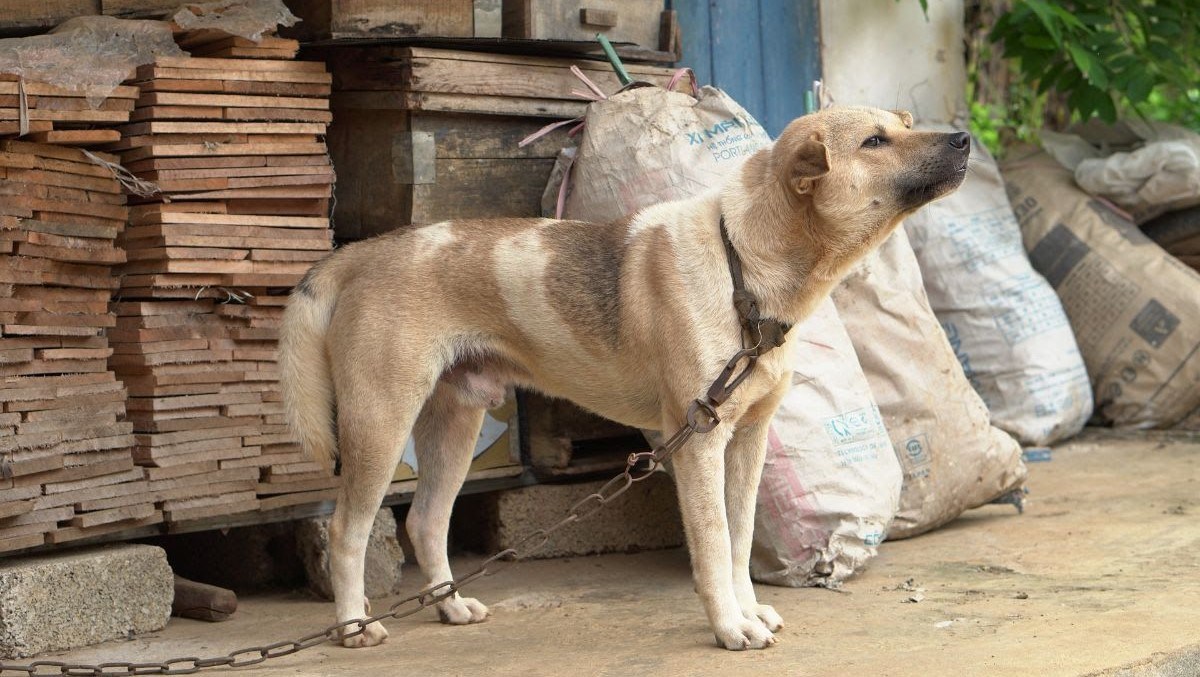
{"x":1100,"y":576}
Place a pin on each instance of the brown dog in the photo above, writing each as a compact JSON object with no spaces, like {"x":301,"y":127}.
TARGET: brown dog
{"x":418,"y":331}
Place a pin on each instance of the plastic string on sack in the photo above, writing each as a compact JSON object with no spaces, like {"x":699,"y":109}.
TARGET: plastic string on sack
{"x":593,"y":93}
{"x":131,"y":183}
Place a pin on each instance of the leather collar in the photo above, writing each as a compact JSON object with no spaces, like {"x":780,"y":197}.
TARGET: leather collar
{"x":765,"y":333}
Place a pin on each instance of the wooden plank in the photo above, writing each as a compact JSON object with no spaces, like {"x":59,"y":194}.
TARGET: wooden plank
{"x":272,"y":67}
{"x":73,"y":104}
{"x":305,"y":179}
{"x":317,"y":247}
{"x":233,"y":506}
{"x":73,"y":533}
{"x":218,"y":41}
{"x":281,"y":114}
{"x":231,"y":100}
{"x":20,"y":542}
{"x":168,"y":127}
{"x":88,"y":520}
{"x":77,"y":137}
{"x":10,"y":509}
{"x":210,"y":267}
{"x":254,"y":87}
{"x":89,"y":116}
{"x":225,"y":72}
{"x":220,"y":149}
{"x":113,"y":212}
{"x":250,"y":52}
{"x":69,"y":229}
{"x":273,"y":193}
{"x":99,"y":184}
{"x":10,"y":127}
{"x":55,"y":152}
{"x":43,"y":89}
{"x":155,"y":215}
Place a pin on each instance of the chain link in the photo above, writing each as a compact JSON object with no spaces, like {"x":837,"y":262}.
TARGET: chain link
{"x":701,"y":418}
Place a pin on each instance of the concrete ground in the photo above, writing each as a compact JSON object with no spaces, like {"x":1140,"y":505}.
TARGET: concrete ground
{"x":1100,"y":576}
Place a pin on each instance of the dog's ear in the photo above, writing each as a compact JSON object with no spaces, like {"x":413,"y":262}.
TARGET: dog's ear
{"x":809,"y":161}
{"x":905,"y":117}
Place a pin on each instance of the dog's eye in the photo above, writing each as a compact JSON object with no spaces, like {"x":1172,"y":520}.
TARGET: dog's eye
{"x":874,"y":142}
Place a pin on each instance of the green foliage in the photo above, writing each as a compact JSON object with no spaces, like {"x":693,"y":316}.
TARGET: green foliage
{"x":1108,"y":56}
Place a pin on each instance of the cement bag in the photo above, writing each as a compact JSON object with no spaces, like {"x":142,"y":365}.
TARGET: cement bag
{"x":1004,"y":321}
{"x":828,"y":494}
{"x":647,"y":145}
{"x":831,"y":483}
{"x":1145,"y":167}
{"x":953,"y":458}
{"x":1135,"y":309}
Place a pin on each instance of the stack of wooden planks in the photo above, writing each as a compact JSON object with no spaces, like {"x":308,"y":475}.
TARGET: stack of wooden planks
{"x":235,"y":147}
{"x":64,"y":449}
{"x":61,"y":116}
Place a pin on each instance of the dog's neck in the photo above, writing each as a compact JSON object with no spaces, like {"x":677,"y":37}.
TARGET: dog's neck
{"x":788,"y":271}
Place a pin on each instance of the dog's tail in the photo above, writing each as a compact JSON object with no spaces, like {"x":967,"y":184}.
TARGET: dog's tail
{"x":304,"y":366}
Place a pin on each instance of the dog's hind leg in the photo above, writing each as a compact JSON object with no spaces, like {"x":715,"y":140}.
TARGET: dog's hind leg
{"x":445,"y":437}
{"x":743,"y":470}
{"x":374,"y":420}
{"x":699,"y":478}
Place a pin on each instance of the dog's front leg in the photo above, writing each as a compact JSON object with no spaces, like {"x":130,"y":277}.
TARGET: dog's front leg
{"x":743,"y":470}
{"x":700,"y":478}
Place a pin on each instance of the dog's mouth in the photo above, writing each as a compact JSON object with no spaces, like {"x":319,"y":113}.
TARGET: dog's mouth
{"x":914,"y":196}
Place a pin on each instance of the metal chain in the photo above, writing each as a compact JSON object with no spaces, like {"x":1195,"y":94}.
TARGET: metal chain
{"x":701,"y":418}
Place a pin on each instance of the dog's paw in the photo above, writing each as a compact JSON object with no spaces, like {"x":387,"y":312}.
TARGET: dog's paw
{"x":766,"y":614}
{"x":462,"y":611}
{"x":374,"y":634}
{"x":745,"y":634}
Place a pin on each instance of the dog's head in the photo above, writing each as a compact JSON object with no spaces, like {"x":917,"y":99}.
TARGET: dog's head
{"x":859,"y":171}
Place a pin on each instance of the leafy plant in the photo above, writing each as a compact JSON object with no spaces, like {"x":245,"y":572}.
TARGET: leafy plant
{"x":1107,"y":55}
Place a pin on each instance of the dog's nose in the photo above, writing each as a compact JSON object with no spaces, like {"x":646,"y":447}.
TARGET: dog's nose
{"x":960,"y":141}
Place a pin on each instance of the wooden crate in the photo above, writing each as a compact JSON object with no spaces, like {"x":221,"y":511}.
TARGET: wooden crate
{"x":333,"y":19}
{"x":397,"y":168}
{"x":635,"y":21}
{"x":422,"y":135}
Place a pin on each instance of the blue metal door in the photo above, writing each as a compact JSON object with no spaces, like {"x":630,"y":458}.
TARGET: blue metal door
{"x":763,"y":53}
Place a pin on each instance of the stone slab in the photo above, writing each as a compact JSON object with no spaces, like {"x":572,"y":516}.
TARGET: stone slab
{"x":82,"y":597}
{"x":384,"y":555}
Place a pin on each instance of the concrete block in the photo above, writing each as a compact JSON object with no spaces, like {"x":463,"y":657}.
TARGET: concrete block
{"x":384,"y":556}
{"x":73,"y":599}
{"x":644,"y":518}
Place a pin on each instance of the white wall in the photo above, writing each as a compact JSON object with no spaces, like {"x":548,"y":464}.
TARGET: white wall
{"x":884,"y":53}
